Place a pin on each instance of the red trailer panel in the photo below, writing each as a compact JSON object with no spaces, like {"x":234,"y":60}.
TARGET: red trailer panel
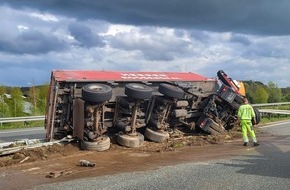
{"x":71,"y":75}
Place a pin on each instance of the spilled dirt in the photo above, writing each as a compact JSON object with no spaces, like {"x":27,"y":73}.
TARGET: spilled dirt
{"x":54,"y":163}
{"x":66,"y":149}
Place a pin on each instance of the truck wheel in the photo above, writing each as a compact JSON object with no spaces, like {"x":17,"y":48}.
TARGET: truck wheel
{"x":258,"y":115}
{"x":96,"y":92}
{"x":227,"y":81}
{"x":156,"y":136}
{"x":138,"y":91}
{"x":103,"y":143}
{"x":130,"y":140}
{"x":171,"y":91}
{"x":223,"y":77}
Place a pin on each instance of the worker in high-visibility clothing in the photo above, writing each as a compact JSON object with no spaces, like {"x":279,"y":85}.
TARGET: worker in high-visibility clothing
{"x":247,"y":117}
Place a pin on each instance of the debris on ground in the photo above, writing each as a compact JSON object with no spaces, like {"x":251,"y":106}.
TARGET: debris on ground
{"x":57,"y":174}
{"x":8,"y":148}
{"x":38,"y":154}
{"x":86,"y":163}
{"x":25,"y":159}
{"x":65,"y":149}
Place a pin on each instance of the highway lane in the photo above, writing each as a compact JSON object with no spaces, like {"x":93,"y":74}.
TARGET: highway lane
{"x":249,"y":172}
{"x":278,"y":128}
{"x":25,"y":133}
{"x":263,"y":167}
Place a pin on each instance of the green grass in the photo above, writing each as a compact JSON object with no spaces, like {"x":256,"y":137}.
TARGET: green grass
{"x":274,"y":118}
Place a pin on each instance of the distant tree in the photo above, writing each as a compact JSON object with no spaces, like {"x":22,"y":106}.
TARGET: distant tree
{"x":251,"y":87}
{"x":33,"y":99}
{"x":4,"y":109}
{"x":249,"y":91}
{"x":43,"y":90}
{"x":16,"y":103}
{"x":260,"y":95}
{"x":2,"y":90}
{"x":37,"y":98}
{"x":33,"y":95}
{"x":285,"y":90}
{"x":286,"y":98}
{"x":275,"y":93}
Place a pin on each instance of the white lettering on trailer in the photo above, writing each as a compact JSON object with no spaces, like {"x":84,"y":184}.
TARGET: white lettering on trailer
{"x":147,"y":76}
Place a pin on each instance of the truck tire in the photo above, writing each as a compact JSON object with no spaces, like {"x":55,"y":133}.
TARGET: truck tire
{"x":102,"y":144}
{"x":156,"y":136}
{"x":258,"y":115}
{"x":130,"y":141}
{"x":227,"y":81}
{"x":171,"y":91}
{"x":96,"y":93}
{"x":222,"y":76}
{"x":138,"y":91}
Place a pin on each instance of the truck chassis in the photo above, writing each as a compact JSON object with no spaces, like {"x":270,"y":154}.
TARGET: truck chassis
{"x":95,"y":106}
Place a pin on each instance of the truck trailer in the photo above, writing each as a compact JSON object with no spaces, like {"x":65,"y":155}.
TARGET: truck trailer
{"x":96,"y":106}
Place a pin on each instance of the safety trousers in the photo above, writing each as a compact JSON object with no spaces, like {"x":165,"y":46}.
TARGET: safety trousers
{"x":247,"y":127}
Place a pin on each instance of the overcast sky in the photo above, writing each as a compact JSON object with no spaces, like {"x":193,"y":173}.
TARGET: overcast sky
{"x":248,"y":39}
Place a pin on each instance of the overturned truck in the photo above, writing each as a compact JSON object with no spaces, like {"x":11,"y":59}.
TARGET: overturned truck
{"x":96,"y":106}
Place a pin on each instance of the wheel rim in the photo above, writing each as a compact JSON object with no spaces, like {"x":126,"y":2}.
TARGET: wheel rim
{"x":96,"y":88}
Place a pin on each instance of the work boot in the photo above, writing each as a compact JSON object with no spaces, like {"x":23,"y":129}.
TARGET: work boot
{"x":245,"y":144}
{"x":256,"y":144}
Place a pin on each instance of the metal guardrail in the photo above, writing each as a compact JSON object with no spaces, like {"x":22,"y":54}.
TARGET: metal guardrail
{"x":273,"y":111}
{"x":21,"y":119}
{"x":271,"y":104}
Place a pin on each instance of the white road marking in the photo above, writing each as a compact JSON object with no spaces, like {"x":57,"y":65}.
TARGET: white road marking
{"x":272,"y":125}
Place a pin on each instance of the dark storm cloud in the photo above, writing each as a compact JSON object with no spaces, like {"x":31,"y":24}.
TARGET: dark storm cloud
{"x":84,"y":36}
{"x":262,"y":17}
{"x":31,"y":42}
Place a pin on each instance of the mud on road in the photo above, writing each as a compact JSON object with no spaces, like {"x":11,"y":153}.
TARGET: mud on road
{"x":54,"y":163}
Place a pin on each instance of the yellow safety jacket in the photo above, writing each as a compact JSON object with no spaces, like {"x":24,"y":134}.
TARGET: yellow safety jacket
{"x":246,"y":112}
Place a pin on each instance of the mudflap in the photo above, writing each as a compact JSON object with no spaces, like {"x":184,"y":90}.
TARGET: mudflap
{"x":78,"y":118}
{"x":203,"y":124}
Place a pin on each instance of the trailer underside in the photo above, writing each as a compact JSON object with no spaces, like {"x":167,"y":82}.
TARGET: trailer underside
{"x":94,"y":106}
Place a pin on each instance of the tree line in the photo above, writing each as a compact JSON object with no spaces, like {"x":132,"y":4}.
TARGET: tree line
{"x":257,"y":92}
{"x":17,"y":102}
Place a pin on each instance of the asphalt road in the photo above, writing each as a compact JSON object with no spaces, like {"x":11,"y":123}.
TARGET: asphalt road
{"x":279,"y":128}
{"x":25,"y":133}
{"x":263,"y":167}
